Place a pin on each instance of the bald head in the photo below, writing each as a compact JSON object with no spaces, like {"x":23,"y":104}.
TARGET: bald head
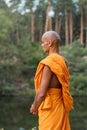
{"x":51,"y":35}
{"x":50,"y":42}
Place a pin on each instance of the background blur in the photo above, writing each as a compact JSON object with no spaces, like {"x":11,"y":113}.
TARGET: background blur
{"x":22,"y":23}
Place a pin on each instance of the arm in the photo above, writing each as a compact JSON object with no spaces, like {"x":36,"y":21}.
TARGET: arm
{"x":46,"y":77}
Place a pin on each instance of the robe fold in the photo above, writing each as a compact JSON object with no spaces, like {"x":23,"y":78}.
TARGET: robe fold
{"x":53,"y":111}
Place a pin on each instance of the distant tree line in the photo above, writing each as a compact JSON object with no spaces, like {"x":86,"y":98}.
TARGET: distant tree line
{"x":32,"y":18}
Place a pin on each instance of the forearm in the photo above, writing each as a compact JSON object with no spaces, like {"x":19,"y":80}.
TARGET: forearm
{"x":37,"y":101}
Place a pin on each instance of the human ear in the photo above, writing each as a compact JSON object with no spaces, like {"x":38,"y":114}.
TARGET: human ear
{"x":50,"y":43}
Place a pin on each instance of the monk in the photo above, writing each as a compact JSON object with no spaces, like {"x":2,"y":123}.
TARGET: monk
{"x":53,"y":100}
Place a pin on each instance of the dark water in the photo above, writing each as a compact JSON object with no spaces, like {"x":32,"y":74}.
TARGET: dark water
{"x":14,"y":114}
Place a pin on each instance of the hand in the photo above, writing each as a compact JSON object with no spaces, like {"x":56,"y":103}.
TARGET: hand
{"x":33,"y":111}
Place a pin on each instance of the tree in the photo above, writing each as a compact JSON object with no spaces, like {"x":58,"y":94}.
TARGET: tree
{"x":5,"y":27}
{"x":40,"y":19}
{"x":57,"y":6}
{"x":83,"y":21}
{"x":3,"y":4}
{"x":76,"y":56}
{"x":48,"y":24}
{"x":32,"y":8}
{"x":65,"y":8}
{"x":85,"y":8}
{"x":68,"y":21}
{"x":32,"y":18}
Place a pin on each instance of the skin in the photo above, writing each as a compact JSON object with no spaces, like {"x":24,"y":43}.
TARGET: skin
{"x":50,"y":43}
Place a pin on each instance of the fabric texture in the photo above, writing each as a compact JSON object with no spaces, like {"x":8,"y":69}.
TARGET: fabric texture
{"x":53,"y":111}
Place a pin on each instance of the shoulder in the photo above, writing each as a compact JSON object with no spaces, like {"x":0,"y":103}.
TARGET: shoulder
{"x":47,"y":72}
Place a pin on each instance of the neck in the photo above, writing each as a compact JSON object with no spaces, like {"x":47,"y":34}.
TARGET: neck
{"x":54,"y":51}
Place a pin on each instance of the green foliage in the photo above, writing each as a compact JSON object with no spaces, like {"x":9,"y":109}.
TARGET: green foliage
{"x":31,"y":53}
{"x":7,"y":68}
{"x":76,"y":56}
{"x":17,"y":66}
{"x":5,"y":26}
{"x":78,"y":84}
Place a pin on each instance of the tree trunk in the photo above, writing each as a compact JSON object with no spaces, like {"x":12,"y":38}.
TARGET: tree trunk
{"x":86,"y":32}
{"x":41,"y":30}
{"x":71,"y":27}
{"x":66,"y":30}
{"x":17,"y":33}
{"x":86,"y":25}
{"x":32,"y":27}
{"x":81,"y":27}
{"x":48,"y":24}
{"x":56,"y":25}
{"x":60,"y":23}
{"x":86,"y":36}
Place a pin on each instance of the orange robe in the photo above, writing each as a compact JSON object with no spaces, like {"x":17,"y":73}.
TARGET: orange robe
{"x":53,"y":111}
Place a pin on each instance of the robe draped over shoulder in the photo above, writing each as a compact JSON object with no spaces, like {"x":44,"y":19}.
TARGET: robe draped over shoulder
{"x":54,"y":109}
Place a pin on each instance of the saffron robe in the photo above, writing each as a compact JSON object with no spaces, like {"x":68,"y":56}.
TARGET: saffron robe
{"x":53,"y":111}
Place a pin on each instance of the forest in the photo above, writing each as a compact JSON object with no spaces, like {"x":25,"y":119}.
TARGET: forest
{"x":22,"y":23}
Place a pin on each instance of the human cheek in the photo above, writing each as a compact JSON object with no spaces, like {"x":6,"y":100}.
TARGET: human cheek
{"x":44,"y":48}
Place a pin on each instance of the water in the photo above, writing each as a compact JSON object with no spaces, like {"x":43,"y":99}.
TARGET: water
{"x":14,"y":114}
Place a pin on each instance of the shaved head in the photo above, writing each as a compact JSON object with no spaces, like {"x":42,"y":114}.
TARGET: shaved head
{"x":50,"y":42}
{"x":51,"y":35}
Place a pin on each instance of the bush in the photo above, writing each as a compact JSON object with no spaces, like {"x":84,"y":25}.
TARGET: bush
{"x":76,"y":56}
{"x":18,"y":65}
